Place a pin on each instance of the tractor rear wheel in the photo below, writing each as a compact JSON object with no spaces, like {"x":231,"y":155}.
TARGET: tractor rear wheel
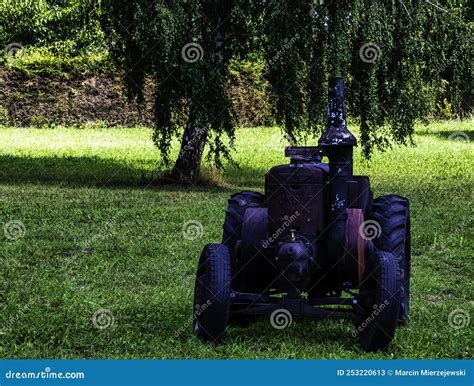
{"x":392,"y":213}
{"x":379,"y":302}
{"x":212,"y":293}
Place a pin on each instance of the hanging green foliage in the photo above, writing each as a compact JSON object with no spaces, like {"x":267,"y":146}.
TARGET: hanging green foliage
{"x":394,"y":55}
{"x":60,"y":27}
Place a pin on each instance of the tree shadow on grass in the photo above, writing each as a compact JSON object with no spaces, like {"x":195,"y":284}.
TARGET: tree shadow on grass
{"x":110,"y":173}
{"x":90,"y":171}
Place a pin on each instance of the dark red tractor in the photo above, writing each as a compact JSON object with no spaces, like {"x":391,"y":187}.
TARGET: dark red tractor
{"x":315,"y":244}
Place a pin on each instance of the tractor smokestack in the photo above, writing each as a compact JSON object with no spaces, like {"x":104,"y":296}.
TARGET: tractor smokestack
{"x":337,"y":142}
{"x":336,"y":133}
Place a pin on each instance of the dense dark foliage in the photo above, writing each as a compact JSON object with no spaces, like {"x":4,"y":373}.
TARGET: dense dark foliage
{"x":402,"y":60}
{"x":398,"y":57}
{"x":63,"y":26}
{"x":187,"y":46}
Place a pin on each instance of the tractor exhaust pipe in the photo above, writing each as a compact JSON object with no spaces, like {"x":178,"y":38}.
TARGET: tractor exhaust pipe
{"x":337,"y":143}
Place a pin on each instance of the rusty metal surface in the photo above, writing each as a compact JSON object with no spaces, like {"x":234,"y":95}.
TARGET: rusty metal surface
{"x":354,"y":257}
{"x":296,"y":198}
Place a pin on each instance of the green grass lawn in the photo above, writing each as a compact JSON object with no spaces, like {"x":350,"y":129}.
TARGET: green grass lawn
{"x":98,"y":235}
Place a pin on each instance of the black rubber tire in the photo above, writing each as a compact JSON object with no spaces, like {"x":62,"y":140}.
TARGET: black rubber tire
{"x":212,"y":293}
{"x":392,"y":212}
{"x":237,"y":205}
{"x":380,"y":302}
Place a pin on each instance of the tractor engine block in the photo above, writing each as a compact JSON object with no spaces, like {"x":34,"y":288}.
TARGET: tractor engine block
{"x":296,"y":219}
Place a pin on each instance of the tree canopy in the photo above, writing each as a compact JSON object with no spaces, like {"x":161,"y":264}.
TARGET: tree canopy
{"x":67,"y":27}
{"x":397,"y":57}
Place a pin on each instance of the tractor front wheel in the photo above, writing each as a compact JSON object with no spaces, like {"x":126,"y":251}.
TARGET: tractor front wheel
{"x":212,"y":293}
{"x":379,"y":302}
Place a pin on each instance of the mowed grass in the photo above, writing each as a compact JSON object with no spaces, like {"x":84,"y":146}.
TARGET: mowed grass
{"x":99,"y":235}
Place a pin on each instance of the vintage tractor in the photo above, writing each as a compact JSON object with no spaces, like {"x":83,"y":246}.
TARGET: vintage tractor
{"x":316,"y":244}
